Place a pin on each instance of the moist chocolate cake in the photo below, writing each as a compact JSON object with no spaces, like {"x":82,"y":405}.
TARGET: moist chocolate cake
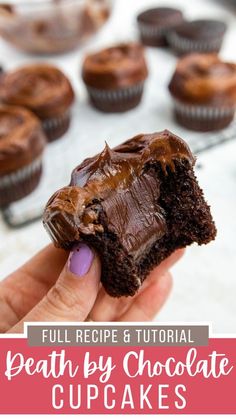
{"x":135,"y":205}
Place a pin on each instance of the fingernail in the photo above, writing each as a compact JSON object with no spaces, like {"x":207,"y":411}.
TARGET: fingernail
{"x":80,"y":259}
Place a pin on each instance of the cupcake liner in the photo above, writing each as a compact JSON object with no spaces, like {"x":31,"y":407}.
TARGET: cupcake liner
{"x":184,"y":45}
{"x":154,"y":35}
{"x":203,"y":118}
{"x":20,"y":183}
{"x":152,"y":31}
{"x":116,"y":100}
{"x":55,"y":127}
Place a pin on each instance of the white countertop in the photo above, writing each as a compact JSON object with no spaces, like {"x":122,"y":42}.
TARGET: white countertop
{"x":205,"y":280}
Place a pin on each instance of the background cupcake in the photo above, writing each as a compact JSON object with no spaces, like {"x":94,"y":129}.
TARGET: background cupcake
{"x":115,"y":77}
{"x":204,"y":92}
{"x":154,"y":24}
{"x":43,"y":89}
{"x":22,"y":142}
{"x":197,"y":36}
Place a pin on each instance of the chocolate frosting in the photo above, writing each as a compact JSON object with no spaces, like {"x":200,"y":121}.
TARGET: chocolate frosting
{"x":204,"y":79}
{"x":160,"y":16}
{"x":21,"y":138}
{"x":124,"y":184}
{"x":55,"y":29}
{"x":134,"y":215}
{"x":202,"y":29}
{"x":42,"y":88}
{"x":119,"y":66}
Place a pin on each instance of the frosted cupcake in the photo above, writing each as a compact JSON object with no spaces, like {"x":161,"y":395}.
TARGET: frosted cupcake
{"x":44,"y":90}
{"x":203,"y":36}
{"x":203,"y":89}
{"x":155,"y":24}
{"x":115,"y":77}
{"x":22,"y":142}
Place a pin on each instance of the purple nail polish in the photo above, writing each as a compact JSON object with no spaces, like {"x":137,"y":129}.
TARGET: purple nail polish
{"x":80,"y":259}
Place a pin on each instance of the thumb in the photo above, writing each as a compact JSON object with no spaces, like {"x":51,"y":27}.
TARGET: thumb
{"x":73,"y":295}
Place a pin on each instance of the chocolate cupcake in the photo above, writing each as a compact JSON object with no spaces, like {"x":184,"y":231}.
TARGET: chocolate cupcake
{"x":22,"y":142}
{"x":197,"y":36}
{"x":135,"y":205}
{"x":115,"y":77}
{"x":43,"y":89}
{"x":204,"y":92}
{"x":154,"y":24}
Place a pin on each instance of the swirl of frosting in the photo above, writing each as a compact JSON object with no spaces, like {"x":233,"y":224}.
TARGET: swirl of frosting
{"x":119,"y":66}
{"x":116,"y":168}
{"x":21,"y":138}
{"x":204,"y":79}
{"x":42,"y":88}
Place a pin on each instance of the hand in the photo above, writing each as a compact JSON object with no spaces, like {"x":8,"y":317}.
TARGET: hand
{"x":51,"y":288}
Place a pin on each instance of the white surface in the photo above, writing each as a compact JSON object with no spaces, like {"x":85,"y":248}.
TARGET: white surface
{"x":205,"y":280}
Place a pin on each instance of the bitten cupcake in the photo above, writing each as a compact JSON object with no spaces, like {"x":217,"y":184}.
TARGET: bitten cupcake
{"x":22,"y":142}
{"x":204,"y":92}
{"x":135,"y":205}
{"x":44,"y":90}
{"x":154,"y":24}
{"x":115,"y":77}
{"x":197,"y":36}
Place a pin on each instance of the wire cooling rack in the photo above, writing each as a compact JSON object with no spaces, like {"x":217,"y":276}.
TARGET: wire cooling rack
{"x":57,"y":174}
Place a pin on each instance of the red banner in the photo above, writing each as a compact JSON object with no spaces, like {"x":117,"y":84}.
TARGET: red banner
{"x":117,"y":380}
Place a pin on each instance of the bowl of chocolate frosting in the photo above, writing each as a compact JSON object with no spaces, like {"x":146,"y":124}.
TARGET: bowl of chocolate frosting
{"x":51,"y":26}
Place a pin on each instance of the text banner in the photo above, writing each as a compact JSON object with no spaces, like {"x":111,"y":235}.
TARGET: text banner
{"x":117,"y":379}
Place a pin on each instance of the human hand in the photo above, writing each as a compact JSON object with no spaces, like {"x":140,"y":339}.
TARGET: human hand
{"x":51,"y":288}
